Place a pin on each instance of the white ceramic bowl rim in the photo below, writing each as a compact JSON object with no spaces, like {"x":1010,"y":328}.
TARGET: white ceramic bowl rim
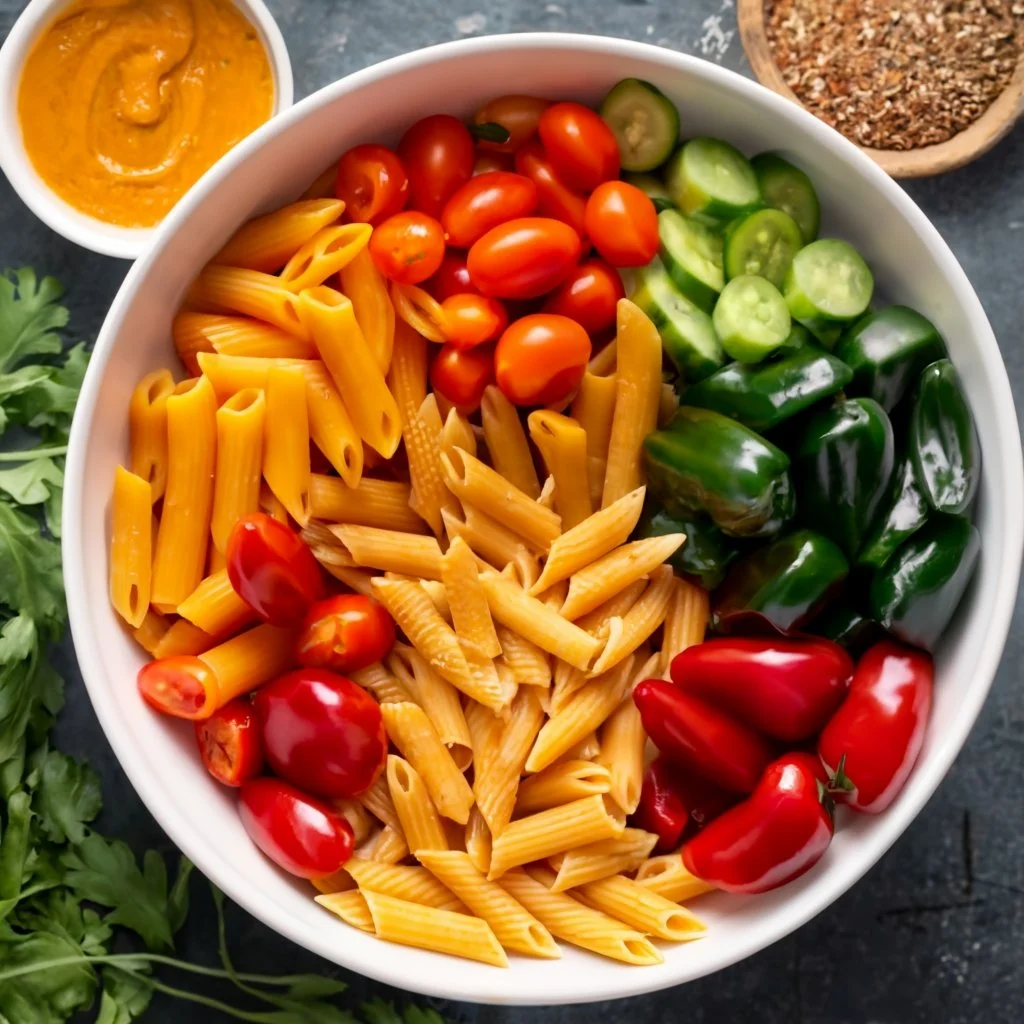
{"x":108,"y":239}
{"x":802,"y":902}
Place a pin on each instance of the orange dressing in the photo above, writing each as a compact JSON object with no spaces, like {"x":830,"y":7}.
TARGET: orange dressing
{"x":123,"y":105}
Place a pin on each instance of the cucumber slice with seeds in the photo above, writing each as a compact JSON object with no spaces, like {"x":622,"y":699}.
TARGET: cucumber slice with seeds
{"x":692,"y":255}
{"x":653,"y":188}
{"x":751,"y":318}
{"x":712,"y":181}
{"x":645,"y":122}
{"x":828,"y":280}
{"x":787,"y":188}
{"x":763,"y":244}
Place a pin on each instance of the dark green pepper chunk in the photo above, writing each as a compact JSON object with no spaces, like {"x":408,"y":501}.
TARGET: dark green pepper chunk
{"x":786,"y":583}
{"x":845,"y":624}
{"x":887,"y":350}
{"x":707,"y":552}
{"x":904,"y":512}
{"x":915,"y":594}
{"x":762,"y":395}
{"x":705,"y":462}
{"x":943,"y":442}
{"x":842,"y":467}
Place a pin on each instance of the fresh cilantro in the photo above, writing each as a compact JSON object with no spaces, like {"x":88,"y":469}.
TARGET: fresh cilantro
{"x":68,"y":796}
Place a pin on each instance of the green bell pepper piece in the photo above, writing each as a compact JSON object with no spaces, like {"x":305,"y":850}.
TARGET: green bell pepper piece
{"x":916,"y":592}
{"x":904,"y":512}
{"x":845,"y":624}
{"x":707,"y":552}
{"x":887,"y":350}
{"x":786,"y":583}
{"x":705,"y":462}
{"x":842,"y":467}
{"x":943,"y":441}
{"x":762,"y":395}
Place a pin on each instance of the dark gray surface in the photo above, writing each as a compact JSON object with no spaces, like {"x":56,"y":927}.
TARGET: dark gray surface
{"x":934,"y":932}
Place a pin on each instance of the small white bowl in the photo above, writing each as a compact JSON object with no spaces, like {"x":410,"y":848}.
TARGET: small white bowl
{"x":273,"y":166}
{"x":88,"y":232}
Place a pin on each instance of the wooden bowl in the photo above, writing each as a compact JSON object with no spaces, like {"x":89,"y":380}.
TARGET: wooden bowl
{"x":922,"y":162}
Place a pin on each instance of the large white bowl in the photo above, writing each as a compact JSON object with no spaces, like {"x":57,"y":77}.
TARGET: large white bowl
{"x":273,"y":166}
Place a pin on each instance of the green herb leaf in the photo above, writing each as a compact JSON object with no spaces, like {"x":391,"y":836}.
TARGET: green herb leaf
{"x":29,"y":317}
{"x":177,"y":898}
{"x":67,"y":798}
{"x":126,"y":996}
{"x":30,"y":569}
{"x":32,"y":483}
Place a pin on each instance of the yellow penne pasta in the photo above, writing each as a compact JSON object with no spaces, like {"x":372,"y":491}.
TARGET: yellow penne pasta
{"x":235,"y":336}
{"x":182,"y":638}
{"x":686,"y":620}
{"x":485,"y":729}
{"x":377,"y":800}
{"x":598,"y":622}
{"x":151,"y":632}
{"x":220,"y":289}
{"x":236,"y":486}
{"x":601,"y":860}
{"x":667,"y":877}
{"x":593,"y":408}
{"x":147,"y":423}
{"x":494,"y":543}
{"x":229,"y":374}
{"x":639,"y":907}
{"x":286,"y":440}
{"x":380,"y":503}
{"x":421,"y":823}
{"x":568,"y":681}
{"x":327,"y":252}
{"x":357,"y":816}
{"x":387,"y":688}
{"x":457,"y":432}
{"x":506,"y":442}
{"x":323,"y":185}
{"x":643,"y":618}
{"x":562,"y":443}
{"x":330,"y":426}
{"x":131,"y":546}
{"x":384,"y":847}
{"x":404,"y":882}
{"x":478,"y":841}
{"x":350,"y":907}
{"x":215,"y":607}
{"x":604,"y":362}
{"x":561,"y":784}
{"x":529,"y":663}
{"x":367,"y":290}
{"x":588,"y":749}
{"x":420,"y":310}
{"x":471,"y":615}
{"x":410,"y":554}
{"x":249,"y":660}
{"x":623,"y":742}
{"x":340,"y":881}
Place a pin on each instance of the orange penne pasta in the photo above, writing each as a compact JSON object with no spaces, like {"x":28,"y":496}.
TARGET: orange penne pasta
{"x":131,"y":547}
{"x":247,"y":661}
{"x":286,"y":440}
{"x":367,"y":290}
{"x":235,"y":336}
{"x":215,"y":608}
{"x":327,"y":252}
{"x":236,"y":490}
{"x":147,"y":421}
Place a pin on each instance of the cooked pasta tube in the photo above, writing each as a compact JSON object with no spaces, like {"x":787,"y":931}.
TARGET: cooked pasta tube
{"x":686,"y":620}
{"x":588,"y":749}
{"x":215,"y":607}
{"x":377,"y":800}
{"x":236,"y":487}
{"x":420,"y":310}
{"x":381,"y":683}
{"x":367,"y":290}
{"x":598,"y":622}
{"x":528,"y":662}
{"x":151,"y":632}
{"x":385,"y":847}
{"x":494,"y":543}
{"x":478,"y":841}
{"x":147,"y":424}
{"x":601,"y":860}
{"x":561,"y":784}
{"x":380,"y":503}
{"x":593,"y":408}
{"x":567,"y":682}
{"x":603,"y":363}
{"x":330,"y":425}
{"x":410,"y":554}
{"x":403,"y":882}
{"x":471,"y":615}
{"x":182,"y":638}
{"x":506,"y":442}
{"x":327,"y":252}
{"x":286,"y":440}
{"x":640,"y":622}
{"x":359,"y":819}
{"x":131,"y":546}
{"x":235,"y":336}
{"x":562,"y":443}
{"x":421,"y":823}
{"x":220,"y":289}
{"x":667,"y":877}
{"x":247,"y":661}
{"x":457,"y":432}
{"x":638,"y":907}
{"x":340,"y":881}
{"x":623,"y":742}
{"x":350,"y":907}
{"x":485,"y":728}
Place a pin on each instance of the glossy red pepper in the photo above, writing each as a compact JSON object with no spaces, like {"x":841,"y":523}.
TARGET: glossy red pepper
{"x":787,"y":689}
{"x":878,"y":730}
{"x":769,"y":839}
{"x":698,"y":736}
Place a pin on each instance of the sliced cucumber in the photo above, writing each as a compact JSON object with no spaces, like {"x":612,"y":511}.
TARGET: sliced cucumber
{"x":751,"y":318}
{"x":763,"y":244}
{"x":828,"y":281}
{"x":645,"y":122}
{"x":787,"y":188}
{"x":653,"y":188}
{"x":692,"y":255}
{"x":687,"y":333}
{"x":712,"y":181}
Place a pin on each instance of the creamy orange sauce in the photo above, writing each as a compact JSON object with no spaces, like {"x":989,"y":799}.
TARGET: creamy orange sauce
{"x":123,"y":105}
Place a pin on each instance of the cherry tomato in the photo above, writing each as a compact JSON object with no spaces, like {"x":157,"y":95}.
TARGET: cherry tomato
{"x":554,"y":199}
{"x":523,"y":258}
{"x":622,"y":223}
{"x":583,"y":150}
{"x":483,"y":203}
{"x":699,"y":737}
{"x":230,"y":744}
{"x":345,"y":633}
{"x":321,"y":732}
{"x":589,"y":296}
{"x":408,"y":247}
{"x":438,"y":154}
{"x":878,"y":730}
{"x":518,"y":114}
{"x":769,"y":839}
{"x":181,"y":686}
{"x":297,"y":832}
{"x":372,"y":182}
{"x":461,"y":375}
{"x":487,"y":162}
{"x":452,"y":278}
{"x":471,"y":320}
{"x":272,"y":570}
{"x":541,"y":358}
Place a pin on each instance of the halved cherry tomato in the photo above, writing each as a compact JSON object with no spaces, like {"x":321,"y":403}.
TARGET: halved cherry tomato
{"x":582,"y":148}
{"x":589,"y":296}
{"x":298,"y":833}
{"x":523,"y":258}
{"x":408,"y":247}
{"x":554,"y":198}
{"x":483,"y":203}
{"x":272,"y":570}
{"x":486,"y":162}
{"x":345,"y":633}
{"x":541,"y":358}
{"x":517,"y":114}
{"x":181,"y":686}
{"x":372,"y":182}
{"x":230,"y":743}
{"x":471,"y":320}
{"x":452,"y":278}
{"x":321,"y":732}
{"x":461,"y":375}
{"x":622,"y":223}
{"x":438,"y":155}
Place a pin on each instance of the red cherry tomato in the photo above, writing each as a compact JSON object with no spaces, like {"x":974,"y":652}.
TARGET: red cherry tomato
{"x":438,"y":154}
{"x":622,"y":223}
{"x":452,"y":278}
{"x":589,"y":296}
{"x":230,"y":744}
{"x":372,"y":182}
{"x":879,"y":729}
{"x":554,"y":199}
{"x":541,"y":358}
{"x":582,"y":148}
{"x":345,"y":633}
{"x":461,"y":375}
{"x":486,"y":162}
{"x":321,"y":732}
{"x":517,"y":114}
{"x":769,"y":839}
{"x":181,"y":686}
{"x":272,"y":570}
{"x":483,"y":203}
{"x":523,"y":258}
{"x":408,"y":247}
{"x":471,"y":320}
{"x":699,"y":737}
{"x":787,"y":689}
{"x":297,"y":832}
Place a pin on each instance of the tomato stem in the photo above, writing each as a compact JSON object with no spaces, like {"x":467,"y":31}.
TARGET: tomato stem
{"x":489,"y":131}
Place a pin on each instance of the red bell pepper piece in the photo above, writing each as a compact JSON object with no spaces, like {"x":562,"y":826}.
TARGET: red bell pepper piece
{"x":787,"y":689}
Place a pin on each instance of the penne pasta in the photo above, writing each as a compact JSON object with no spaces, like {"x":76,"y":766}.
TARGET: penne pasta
{"x":685,"y":621}
{"x":385,"y":847}
{"x":485,"y":729}
{"x":598,"y":622}
{"x":273,"y":508}
{"x":147,"y":423}
{"x":253,"y":293}
{"x":235,"y":336}
{"x":357,"y":816}
{"x":182,"y":638}
{"x":478,"y":841}
{"x":593,"y":408}
{"x":330,"y":425}
{"x":236,"y":482}
{"x":131,"y":546}
{"x":377,"y":800}
{"x":229,"y":374}
{"x":623,"y":742}
{"x":639,"y":623}
{"x":506,"y":442}
{"x":340,"y":881}
{"x":568,"y":681}
{"x":247,"y":661}
{"x":562,"y":443}
{"x":421,"y":824}
{"x":215,"y":607}
{"x":603,"y":363}
{"x":637,"y":906}
{"x":327,"y":252}
{"x":561,"y":784}
{"x":381,"y":683}
{"x":350,"y":906}
{"x":457,"y":432}
{"x":494,"y":543}
{"x":588,"y":749}
{"x":404,"y":882}
{"x":380,"y":503}
{"x":323,"y":185}
{"x":420,"y":310}
{"x":528,"y":662}
{"x":409,"y":554}
{"x":367,"y":290}
{"x":667,"y":876}
{"x":152,"y":630}
{"x":604,"y":859}
{"x":471,"y":615}
{"x":286,"y":440}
